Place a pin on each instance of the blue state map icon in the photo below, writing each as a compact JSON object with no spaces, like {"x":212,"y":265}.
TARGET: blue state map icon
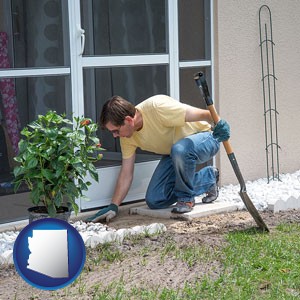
{"x":49,"y":254}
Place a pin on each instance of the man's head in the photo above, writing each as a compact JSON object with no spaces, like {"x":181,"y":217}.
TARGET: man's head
{"x":117,"y":116}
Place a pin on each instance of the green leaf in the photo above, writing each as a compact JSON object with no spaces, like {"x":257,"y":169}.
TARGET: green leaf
{"x":62,"y":158}
{"x":22,"y":146}
{"x":18,"y":159}
{"x":19,"y":170}
{"x":32,"y":163}
{"x":51,"y":133}
{"x":71,"y":188}
{"x":83,"y":186}
{"x":17,"y":185}
{"x":94,"y":139}
{"x":50,"y":151}
{"x":75,"y":208}
{"x":91,"y":167}
{"x":83,"y":197}
{"x":80,"y":169}
{"x":35,"y":125}
{"x":94,"y":175}
{"x":35,"y":196}
{"x":59,"y":171}
{"x":48,"y":174}
{"x":58,"y":199}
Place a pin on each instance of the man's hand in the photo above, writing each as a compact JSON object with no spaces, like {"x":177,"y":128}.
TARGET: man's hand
{"x":222,"y":131}
{"x":106,"y":213}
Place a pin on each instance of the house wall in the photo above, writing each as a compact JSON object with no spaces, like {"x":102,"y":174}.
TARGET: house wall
{"x":238,"y":85}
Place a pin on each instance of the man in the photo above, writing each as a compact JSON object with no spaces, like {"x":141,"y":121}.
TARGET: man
{"x":181,"y":134}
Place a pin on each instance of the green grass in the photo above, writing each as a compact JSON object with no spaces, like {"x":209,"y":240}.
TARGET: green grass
{"x":254,"y":266}
{"x":190,"y":254}
{"x":106,"y":253}
{"x":262,"y":266}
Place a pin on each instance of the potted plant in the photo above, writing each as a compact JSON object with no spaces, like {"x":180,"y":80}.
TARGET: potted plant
{"x":54,"y":158}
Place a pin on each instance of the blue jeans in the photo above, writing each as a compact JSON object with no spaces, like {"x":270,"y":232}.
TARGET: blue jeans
{"x":175,"y":178}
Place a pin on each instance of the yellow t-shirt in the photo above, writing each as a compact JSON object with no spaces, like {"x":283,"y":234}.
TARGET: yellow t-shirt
{"x":163,"y":125}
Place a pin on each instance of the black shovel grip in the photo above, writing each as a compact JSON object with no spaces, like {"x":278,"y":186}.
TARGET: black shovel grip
{"x":202,"y":85}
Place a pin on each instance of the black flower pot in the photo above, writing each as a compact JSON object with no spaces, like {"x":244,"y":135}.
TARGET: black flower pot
{"x":40,"y":212}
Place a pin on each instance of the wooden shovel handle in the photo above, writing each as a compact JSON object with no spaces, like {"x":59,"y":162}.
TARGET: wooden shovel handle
{"x":216,"y":119}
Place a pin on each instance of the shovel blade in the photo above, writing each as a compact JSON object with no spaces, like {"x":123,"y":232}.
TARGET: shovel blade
{"x":253,"y":211}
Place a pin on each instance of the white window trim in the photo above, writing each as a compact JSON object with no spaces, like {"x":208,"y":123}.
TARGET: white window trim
{"x":173,"y":26}
{"x":194,"y":63}
{"x":76,"y":57}
{"x":125,"y":60}
{"x":34,"y":72}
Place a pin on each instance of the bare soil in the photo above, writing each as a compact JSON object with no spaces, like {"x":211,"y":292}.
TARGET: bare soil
{"x":145,"y":269}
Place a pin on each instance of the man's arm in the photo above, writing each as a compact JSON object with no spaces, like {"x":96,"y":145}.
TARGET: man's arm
{"x":194,"y":114}
{"x":221,"y":131}
{"x":122,"y":187}
{"x":124,"y":180}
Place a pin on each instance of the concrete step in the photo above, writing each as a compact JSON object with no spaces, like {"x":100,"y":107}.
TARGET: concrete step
{"x":200,"y":210}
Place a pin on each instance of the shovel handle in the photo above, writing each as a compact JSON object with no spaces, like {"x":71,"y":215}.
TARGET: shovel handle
{"x":202,"y":85}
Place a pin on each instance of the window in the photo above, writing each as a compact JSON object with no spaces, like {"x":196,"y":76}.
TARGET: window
{"x":121,"y":41}
{"x":124,"y":27}
{"x":36,"y":32}
{"x":194,"y":30}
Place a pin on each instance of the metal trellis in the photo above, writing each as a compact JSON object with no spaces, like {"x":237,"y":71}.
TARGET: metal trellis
{"x":269,"y":92}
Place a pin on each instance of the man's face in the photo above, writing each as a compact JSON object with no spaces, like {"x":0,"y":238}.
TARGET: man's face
{"x":125,"y":130}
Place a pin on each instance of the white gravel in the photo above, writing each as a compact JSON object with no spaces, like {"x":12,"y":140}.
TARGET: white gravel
{"x":260,"y":192}
{"x":263,"y":193}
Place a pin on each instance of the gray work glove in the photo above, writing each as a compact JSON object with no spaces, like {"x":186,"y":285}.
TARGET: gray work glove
{"x":221,"y":131}
{"x":106,"y":213}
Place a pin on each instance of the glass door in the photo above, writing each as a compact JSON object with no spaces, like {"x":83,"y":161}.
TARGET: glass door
{"x":136,"y":49}
{"x":125,"y":53}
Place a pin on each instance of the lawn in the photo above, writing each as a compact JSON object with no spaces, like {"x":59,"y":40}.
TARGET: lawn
{"x":216,"y":257}
{"x":254,"y":266}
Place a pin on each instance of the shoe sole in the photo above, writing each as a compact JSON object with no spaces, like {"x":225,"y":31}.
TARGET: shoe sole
{"x":211,"y":201}
{"x":176,"y":211}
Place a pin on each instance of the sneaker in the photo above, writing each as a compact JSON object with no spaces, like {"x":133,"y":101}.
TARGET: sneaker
{"x":213,"y":193}
{"x":182,"y":207}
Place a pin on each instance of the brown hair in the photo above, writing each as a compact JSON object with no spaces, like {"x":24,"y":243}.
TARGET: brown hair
{"x":115,"y":110}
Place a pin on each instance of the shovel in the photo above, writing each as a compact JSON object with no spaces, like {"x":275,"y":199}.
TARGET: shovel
{"x":202,"y":84}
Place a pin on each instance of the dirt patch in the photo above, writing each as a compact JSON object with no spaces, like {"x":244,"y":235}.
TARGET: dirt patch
{"x":141,"y":262}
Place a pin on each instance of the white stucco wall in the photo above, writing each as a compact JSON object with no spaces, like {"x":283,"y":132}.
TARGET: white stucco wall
{"x":238,"y":86}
